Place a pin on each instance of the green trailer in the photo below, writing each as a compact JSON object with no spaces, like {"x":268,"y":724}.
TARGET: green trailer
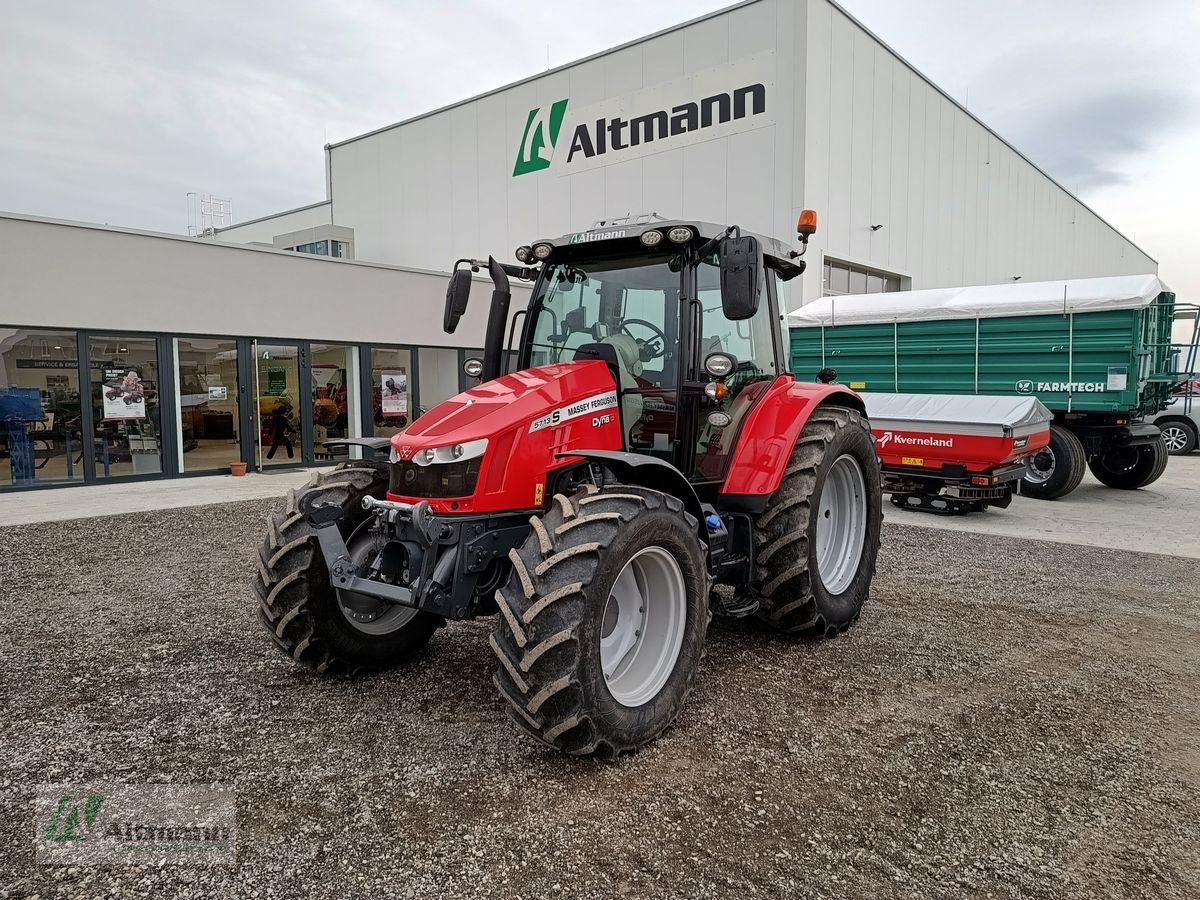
{"x":1097,"y":352}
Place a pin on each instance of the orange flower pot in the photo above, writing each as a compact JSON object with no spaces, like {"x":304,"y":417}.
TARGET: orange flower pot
{"x":237,"y":468}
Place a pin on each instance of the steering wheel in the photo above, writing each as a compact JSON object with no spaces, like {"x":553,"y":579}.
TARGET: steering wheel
{"x":647,"y":350}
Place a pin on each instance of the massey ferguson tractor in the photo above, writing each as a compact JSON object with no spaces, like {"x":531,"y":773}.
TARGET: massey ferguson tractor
{"x":648,"y":463}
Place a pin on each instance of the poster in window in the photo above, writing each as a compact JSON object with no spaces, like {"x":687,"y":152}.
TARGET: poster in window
{"x":124,"y":395}
{"x":276,"y":381}
{"x":394,"y":393}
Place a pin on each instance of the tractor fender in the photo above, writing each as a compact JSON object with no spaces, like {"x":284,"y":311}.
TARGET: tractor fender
{"x":769,"y":433}
{"x":646,"y":471}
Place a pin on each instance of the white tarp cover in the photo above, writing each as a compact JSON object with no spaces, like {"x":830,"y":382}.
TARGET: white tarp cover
{"x":985,"y":301}
{"x":957,"y":409}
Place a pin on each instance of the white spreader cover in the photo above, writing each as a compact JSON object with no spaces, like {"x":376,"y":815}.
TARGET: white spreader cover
{"x":958,"y":414}
{"x":983,"y":301}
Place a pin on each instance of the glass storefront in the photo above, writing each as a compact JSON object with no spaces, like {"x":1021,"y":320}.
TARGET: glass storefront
{"x":391,"y":390}
{"x":41,"y":432}
{"x":85,"y":407}
{"x":123,"y":375}
{"x":333,"y":396}
{"x":209,"y":434}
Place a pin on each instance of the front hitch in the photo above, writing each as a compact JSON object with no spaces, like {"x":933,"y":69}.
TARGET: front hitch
{"x":343,"y":573}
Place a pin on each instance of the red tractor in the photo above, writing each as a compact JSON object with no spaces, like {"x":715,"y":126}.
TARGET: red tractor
{"x":647,"y":464}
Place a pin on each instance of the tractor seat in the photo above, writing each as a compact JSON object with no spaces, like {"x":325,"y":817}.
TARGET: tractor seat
{"x":629,"y":361}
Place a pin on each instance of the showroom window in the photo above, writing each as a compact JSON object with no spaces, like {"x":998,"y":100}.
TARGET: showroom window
{"x":847,"y":278}
{"x":441,"y":375}
{"x":123,"y":375}
{"x":41,"y":430}
{"x":334,"y":395}
{"x":391,"y":390}
{"x":208,"y":403}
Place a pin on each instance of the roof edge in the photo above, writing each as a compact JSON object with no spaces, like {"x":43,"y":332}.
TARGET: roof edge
{"x":286,"y":212}
{"x":225,"y":245}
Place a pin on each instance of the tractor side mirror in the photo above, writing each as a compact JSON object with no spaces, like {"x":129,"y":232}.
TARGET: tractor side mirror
{"x":457,"y":294}
{"x":741,"y":268}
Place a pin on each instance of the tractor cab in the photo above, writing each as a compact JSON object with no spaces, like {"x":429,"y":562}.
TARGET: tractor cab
{"x":685,"y":314}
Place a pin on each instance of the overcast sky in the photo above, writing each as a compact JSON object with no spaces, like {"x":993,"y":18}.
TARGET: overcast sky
{"x":112,"y":112}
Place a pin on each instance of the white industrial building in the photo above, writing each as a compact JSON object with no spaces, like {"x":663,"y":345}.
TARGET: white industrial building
{"x":125,"y":354}
{"x":910,"y":187}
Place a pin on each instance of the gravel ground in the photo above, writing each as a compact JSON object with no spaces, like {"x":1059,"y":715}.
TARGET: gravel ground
{"x":1008,"y":719}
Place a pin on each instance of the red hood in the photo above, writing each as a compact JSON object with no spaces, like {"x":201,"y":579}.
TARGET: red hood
{"x":499,"y":404}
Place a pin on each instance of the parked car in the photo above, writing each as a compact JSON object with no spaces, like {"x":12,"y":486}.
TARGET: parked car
{"x":1180,"y":421}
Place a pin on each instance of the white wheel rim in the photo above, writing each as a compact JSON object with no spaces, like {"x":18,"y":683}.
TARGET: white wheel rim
{"x":841,"y":524}
{"x":1174,"y":437}
{"x":641,"y":629}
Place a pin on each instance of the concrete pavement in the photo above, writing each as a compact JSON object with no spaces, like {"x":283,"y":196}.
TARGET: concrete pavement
{"x":25,"y":507}
{"x":1164,"y":518}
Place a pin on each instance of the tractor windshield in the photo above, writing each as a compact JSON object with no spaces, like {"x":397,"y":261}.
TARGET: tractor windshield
{"x":632,"y":303}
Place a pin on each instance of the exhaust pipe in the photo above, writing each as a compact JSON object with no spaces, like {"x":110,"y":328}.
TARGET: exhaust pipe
{"x":493,"y":344}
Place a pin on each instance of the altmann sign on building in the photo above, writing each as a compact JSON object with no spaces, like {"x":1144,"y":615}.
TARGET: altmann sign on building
{"x":709,"y":104}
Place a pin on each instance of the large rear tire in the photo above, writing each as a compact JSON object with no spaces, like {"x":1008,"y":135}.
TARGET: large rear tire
{"x":1057,"y":469}
{"x":602,"y":622}
{"x":817,"y":541}
{"x":298,"y":606}
{"x":1130,"y":468}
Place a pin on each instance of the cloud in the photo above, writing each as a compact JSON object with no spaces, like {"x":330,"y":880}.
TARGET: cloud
{"x":1087,"y":142}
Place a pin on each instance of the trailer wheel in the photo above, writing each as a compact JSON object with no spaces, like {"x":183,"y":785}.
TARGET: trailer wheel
{"x":1130,"y":468}
{"x":1055,"y":470}
{"x":816,"y":543}
{"x":1180,"y":436}
{"x":304,"y":614}
{"x":602,"y":621}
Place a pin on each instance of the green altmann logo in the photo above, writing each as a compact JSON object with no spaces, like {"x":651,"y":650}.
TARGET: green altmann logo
{"x":541,"y":132}
{"x":74,"y":817}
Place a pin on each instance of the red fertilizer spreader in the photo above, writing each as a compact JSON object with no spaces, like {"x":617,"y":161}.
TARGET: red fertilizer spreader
{"x":954,"y":454}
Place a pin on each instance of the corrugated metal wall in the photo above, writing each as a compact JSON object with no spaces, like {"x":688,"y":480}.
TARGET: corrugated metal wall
{"x":958,"y":205}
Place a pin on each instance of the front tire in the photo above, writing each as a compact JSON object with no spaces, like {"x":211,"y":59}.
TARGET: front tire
{"x":301,"y":609}
{"x":1130,"y":468}
{"x":602,"y":622}
{"x":1058,"y":468}
{"x":816,"y":544}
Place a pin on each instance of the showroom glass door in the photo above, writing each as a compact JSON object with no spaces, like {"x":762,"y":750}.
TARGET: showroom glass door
{"x":125,"y":388}
{"x":282,"y":432}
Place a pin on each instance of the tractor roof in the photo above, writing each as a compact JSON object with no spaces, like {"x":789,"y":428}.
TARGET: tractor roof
{"x":623,"y":231}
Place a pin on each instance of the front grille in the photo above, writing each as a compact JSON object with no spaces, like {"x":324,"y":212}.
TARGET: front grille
{"x":435,"y":480}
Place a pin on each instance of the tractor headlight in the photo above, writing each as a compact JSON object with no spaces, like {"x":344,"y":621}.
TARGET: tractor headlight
{"x":524,"y":254}
{"x":680,"y":234}
{"x":451,"y":453}
{"x":651,"y":238}
{"x":542,"y":251}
